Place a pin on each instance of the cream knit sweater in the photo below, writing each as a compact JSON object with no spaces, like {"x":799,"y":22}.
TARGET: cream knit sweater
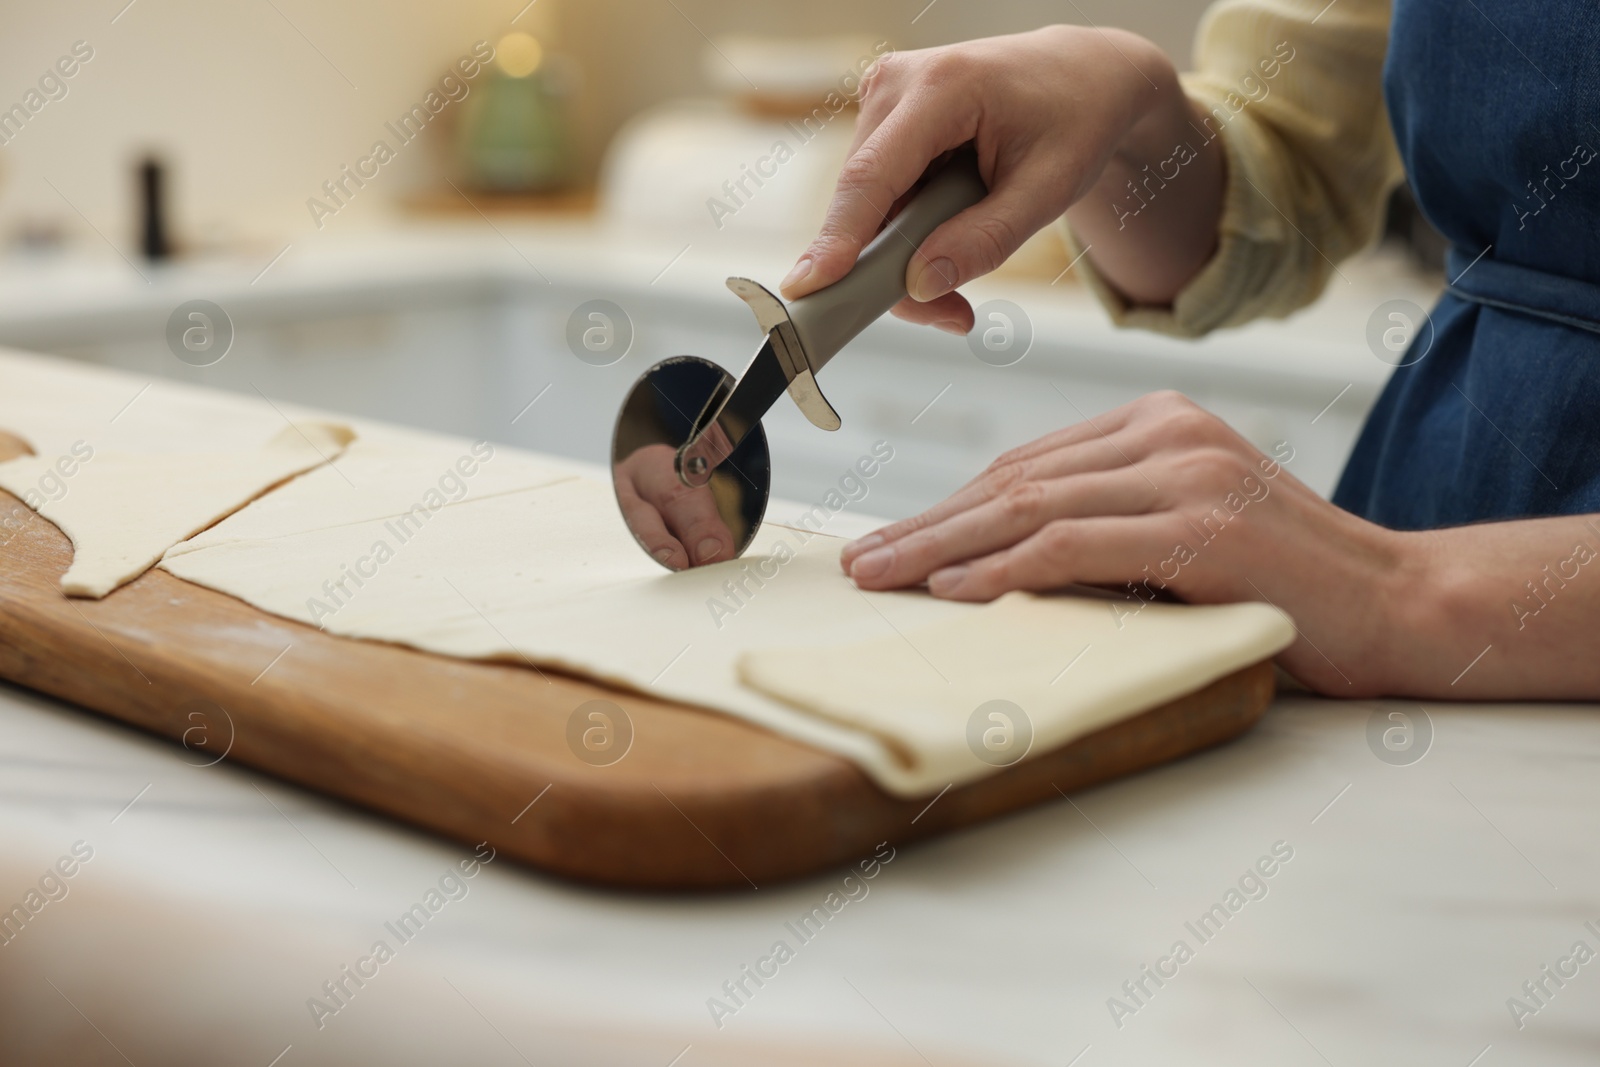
{"x":1295,"y":95}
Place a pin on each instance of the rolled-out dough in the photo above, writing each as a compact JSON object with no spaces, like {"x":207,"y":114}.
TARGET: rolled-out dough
{"x":122,"y":510}
{"x":548,"y":575}
{"x":496,"y":554}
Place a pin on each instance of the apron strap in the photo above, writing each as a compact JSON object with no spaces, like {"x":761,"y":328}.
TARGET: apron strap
{"x":1509,"y":287}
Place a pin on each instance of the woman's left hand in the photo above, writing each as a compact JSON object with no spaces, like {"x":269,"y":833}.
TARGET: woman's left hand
{"x":1162,"y":495}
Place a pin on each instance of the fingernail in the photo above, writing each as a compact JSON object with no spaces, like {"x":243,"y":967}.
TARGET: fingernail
{"x":801,"y":271}
{"x":934,"y":280}
{"x":706,"y":550}
{"x":864,"y":544}
{"x":873,"y":564}
{"x":663,"y":556}
{"x":947,"y":580}
{"x":952,"y":326}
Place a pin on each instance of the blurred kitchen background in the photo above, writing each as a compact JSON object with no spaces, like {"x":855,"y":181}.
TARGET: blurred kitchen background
{"x":538,"y":230}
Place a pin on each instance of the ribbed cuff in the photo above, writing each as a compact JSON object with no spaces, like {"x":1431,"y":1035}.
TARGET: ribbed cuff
{"x":1228,"y":289}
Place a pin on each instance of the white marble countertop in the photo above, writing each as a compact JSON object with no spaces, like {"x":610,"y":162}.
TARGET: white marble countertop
{"x":1418,"y":899}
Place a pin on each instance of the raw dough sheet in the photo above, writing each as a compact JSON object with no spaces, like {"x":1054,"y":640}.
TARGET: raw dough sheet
{"x":428,"y":542}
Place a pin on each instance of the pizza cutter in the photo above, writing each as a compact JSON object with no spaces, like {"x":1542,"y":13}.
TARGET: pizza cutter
{"x":689,"y":459}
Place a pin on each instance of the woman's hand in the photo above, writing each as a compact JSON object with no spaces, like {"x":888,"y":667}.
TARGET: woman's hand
{"x":677,"y":524}
{"x":1165,"y":496}
{"x":1057,"y":115}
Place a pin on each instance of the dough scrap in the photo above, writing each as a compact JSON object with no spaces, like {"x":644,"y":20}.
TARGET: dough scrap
{"x":123,"y":510}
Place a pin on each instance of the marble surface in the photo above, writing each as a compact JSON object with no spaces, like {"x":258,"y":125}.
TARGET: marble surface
{"x":1418,"y":899}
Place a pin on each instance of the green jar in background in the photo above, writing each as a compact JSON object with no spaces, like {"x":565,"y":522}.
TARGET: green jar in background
{"x":513,"y":134}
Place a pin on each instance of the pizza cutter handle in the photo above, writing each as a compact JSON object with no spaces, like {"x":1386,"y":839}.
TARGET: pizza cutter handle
{"x":830,"y":318}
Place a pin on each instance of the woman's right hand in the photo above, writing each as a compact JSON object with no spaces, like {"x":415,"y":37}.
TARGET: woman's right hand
{"x":1050,"y":113}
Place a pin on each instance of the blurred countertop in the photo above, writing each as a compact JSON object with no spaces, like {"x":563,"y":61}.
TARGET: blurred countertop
{"x":43,"y":295}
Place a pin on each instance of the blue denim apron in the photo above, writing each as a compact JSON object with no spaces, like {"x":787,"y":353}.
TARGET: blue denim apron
{"x":1496,"y":108}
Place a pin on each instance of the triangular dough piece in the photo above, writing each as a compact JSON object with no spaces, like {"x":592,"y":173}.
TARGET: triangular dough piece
{"x":123,"y":510}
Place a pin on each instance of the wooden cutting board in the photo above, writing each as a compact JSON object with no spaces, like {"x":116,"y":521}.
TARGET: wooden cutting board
{"x":479,"y":751}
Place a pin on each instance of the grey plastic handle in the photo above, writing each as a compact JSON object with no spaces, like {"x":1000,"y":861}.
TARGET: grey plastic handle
{"x":830,"y":318}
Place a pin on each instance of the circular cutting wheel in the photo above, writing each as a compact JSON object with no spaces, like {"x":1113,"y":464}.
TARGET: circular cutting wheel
{"x":680,"y":524}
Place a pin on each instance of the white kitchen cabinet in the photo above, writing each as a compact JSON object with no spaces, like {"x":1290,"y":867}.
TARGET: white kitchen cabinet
{"x":417,"y":357}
